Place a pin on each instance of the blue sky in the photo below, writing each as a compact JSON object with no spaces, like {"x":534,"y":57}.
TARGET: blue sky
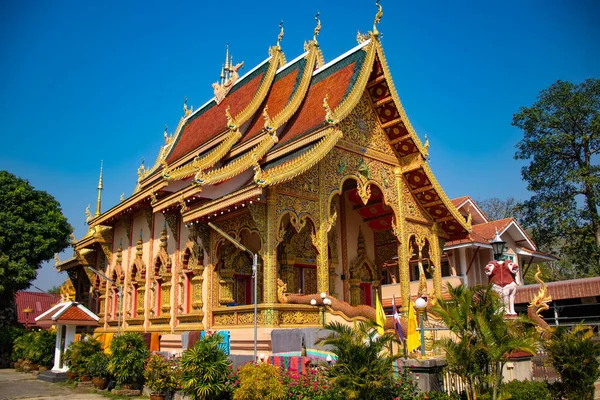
{"x":85,"y":81}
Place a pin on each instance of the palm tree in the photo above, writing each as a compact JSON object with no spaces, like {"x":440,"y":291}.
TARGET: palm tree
{"x":483,"y":339}
{"x":204,"y":369}
{"x":364,"y":364}
{"x":574,"y":355}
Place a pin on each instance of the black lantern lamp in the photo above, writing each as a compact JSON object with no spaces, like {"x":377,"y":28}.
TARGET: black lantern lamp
{"x":498,"y":246}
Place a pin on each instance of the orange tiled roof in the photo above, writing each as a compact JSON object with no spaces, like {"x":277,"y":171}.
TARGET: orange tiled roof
{"x":211,"y":120}
{"x":37,"y":301}
{"x":561,"y":290}
{"x":459,"y":200}
{"x":488,"y":230}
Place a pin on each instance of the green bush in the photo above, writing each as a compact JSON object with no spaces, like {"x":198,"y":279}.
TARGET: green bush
{"x":526,"y":390}
{"x":260,"y":381}
{"x":128,"y":353}
{"x":440,"y":396}
{"x":8,"y":335}
{"x":78,"y":354}
{"x":574,"y":354}
{"x":97,"y":366}
{"x":35,"y":347}
{"x":160,"y":374}
{"x":313,"y":385}
{"x":205,"y":370}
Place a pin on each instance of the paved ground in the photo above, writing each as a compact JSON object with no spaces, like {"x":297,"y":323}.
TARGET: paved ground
{"x":18,"y":385}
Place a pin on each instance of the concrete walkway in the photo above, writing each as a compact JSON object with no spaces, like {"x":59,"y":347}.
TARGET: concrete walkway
{"x":18,"y":385}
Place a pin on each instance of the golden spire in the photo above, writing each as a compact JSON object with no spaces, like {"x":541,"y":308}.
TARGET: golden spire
{"x":318,"y":27}
{"x":280,"y":36}
{"x":99,"y":191}
{"x":377,"y":19}
{"x":139,"y":246}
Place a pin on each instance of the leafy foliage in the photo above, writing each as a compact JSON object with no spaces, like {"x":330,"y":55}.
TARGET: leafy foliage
{"x":259,"y":382}
{"x":37,"y":347}
{"x":364,"y":365}
{"x":78,"y":353}
{"x":574,"y":355}
{"x":128,"y":354}
{"x":562,"y":142}
{"x":97,"y":365}
{"x":526,"y":390}
{"x":484,"y":339}
{"x":159,"y":374}
{"x":8,"y":336}
{"x":495,"y":208}
{"x":312,"y":385}
{"x":205,"y":370}
{"x":32,"y":229}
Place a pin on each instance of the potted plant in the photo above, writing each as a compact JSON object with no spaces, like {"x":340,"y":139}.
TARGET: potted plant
{"x":97,"y":369}
{"x":126,"y":362}
{"x":160,"y":376}
{"x":77,"y":355}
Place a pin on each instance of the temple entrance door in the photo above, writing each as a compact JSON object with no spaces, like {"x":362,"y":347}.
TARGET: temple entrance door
{"x":366,"y":294}
{"x":243,"y":290}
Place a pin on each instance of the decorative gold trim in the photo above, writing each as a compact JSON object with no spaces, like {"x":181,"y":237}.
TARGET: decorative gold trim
{"x":291,"y":169}
{"x":222,"y":202}
{"x":348,"y":104}
{"x":233,"y":135}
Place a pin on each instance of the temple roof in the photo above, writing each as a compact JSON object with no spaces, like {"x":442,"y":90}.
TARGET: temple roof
{"x":68,"y":313}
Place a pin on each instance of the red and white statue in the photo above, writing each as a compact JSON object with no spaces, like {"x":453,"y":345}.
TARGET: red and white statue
{"x":502,"y":275}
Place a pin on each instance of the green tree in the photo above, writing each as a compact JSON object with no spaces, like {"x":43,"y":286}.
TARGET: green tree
{"x":205,"y":370}
{"x":483,"y":338}
{"x":574,"y":354}
{"x":32,"y":229}
{"x":363,"y":369}
{"x":54,"y":290}
{"x":561,"y":143}
{"x":495,"y":208}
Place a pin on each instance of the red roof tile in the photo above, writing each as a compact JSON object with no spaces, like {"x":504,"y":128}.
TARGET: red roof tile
{"x":488,"y":230}
{"x":278,"y":96}
{"x":311,"y":113}
{"x":204,"y":125}
{"x":75,"y":314}
{"x":561,"y":290}
{"x":459,"y":200}
{"x":37,"y":301}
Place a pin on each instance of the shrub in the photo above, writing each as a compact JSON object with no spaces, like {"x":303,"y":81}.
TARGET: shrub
{"x":440,"y":396}
{"x":39,"y":347}
{"x":205,"y":370}
{"x":97,"y":366}
{"x":526,"y":390}
{"x":312,"y":385}
{"x":126,"y":361}
{"x":574,"y":355}
{"x":19,"y":348}
{"x":78,"y":354}
{"x":160,"y":374}
{"x":8,"y":335}
{"x":260,"y":381}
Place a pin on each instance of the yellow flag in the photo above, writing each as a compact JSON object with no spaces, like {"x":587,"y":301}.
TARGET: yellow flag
{"x":379,"y":315}
{"x":412,"y":337}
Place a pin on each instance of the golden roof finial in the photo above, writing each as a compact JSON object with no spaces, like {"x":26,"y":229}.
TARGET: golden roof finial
{"x":165,"y":133}
{"x":230,"y":122}
{"x":318,"y":27}
{"x":268,"y":122}
{"x":227,"y":56}
{"x":377,"y":19}
{"x":100,"y":187}
{"x":280,"y":36}
{"x":328,"y":112}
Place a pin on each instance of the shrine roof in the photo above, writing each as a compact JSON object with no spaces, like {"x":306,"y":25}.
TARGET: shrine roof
{"x":68,"y":313}
{"x":210,"y":119}
{"x":459,"y":201}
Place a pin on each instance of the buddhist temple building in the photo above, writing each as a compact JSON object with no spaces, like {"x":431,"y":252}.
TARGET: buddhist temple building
{"x":311,"y":164}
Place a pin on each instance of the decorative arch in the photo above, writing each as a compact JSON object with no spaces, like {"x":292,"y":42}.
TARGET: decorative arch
{"x":161,"y":284}
{"x":191,"y":275}
{"x":363,"y":275}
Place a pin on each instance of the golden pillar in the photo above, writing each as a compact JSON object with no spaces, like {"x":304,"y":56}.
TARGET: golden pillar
{"x":226,"y":283}
{"x":270,"y":251}
{"x":288,"y":273}
{"x":141,"y":297}
{"x":165,"y":294}
{"x":196,"y":289}
{"x":354,"y":291}
{"x":436,"y":259}
{"x":400,"y":233}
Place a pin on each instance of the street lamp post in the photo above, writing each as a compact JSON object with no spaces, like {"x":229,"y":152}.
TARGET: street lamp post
{"x":420,"y":305}
{"x":254,"y":275}
{"x":27,"y":311}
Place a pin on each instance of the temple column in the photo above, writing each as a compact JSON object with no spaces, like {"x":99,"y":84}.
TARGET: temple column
{"x":436,"y":259}
{"x":400,"y":233}
{"x":354,"y":291}
{"x":196,"y":289}
{"x":288,"y":273}
{"x":270,"y":251}
{"x":141,"y":296}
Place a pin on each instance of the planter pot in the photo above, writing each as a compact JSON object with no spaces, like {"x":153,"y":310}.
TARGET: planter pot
{"x":27,"y":368}
{"x":71,"y":375}
{"x":158,"y":396}
{"x":100,"y":383}
{"x":17,"y":365}
{"x":127,"y":386}
{"x":85,"y":378}
{"x":34,"y":367}
{"x":42,"y":368}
